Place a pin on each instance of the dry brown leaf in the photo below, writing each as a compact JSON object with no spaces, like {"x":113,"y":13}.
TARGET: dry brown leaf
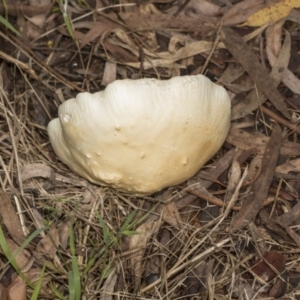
{"x":26,"y":10}
{"x":271,"y":13}
{"x":234,"y":178}
{"x":291,"y":232}
{"x":109,"y":74}
{"x":119,"y":54}
{"x":23,"y":258}
{"x":33,"y":27}
{"x":290,"y":166}
{"x":120,"y":37}
{"x":290,"y":216}
{"x":254,"y":168}
{"x":171,"y":215}
{"x":197,"y":280}
{"x":96,"y":30}
{"x":139,"y":241}
{"x":289,"y":79}
{"x":290,"y":148}
{"x":239,"y":12}
{"x":63,"y":229}
{"x":44,"y":171}
{"x":203,"y":7}
{"x":232,"y":72}
{"x":254,"y":201}
{"x":220,"y":166}
{"x":167,"y":59}
{"x":142,"y":22}
{"x":89,"y":197}
{"x":10,"y":218}
{"x":48,"y":245}
{"x":109,"y":286}
{"x":15,"y":291}
{"x":244,"y":55}
{"x":251,"y":102}
{"x":40,"y":107}
{"x":265,"y":268}
{"x":35,"y":170}
{"x":244,"y":140}
{"x":274,"y":37}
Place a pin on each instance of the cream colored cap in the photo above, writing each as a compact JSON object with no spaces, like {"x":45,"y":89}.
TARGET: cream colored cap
{"x":141,"y":136}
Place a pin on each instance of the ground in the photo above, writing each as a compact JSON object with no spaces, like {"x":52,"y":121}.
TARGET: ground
{"x":229,"y":232}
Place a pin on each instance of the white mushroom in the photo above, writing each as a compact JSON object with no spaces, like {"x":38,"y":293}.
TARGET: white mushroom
{"x":142,"y":135}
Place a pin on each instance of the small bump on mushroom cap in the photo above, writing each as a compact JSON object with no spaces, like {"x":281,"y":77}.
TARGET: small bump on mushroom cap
{"x":142,"y":135}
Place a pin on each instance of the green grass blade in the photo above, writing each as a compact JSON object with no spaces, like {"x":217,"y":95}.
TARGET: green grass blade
{"x":38,"y":286}
{"x":9,"y":26}
{"x":105,"y":230}
{"x":72,"y":240}
{"x":69,"y":26}
{"x":56,"y":292}
{"x":128,"y":220}
{"x":71,"y":286}
{"x":76,"y":278}
{"x":6,"y":250}
{"x":11,"y":256}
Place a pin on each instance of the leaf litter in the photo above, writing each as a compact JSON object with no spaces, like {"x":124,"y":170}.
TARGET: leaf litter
{"x":230,"y":232}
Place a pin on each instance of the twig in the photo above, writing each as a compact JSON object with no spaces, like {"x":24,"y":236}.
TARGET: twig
{"x":280,"y":120}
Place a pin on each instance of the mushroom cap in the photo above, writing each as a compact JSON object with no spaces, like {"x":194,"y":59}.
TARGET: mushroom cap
{"x":143,"y":135}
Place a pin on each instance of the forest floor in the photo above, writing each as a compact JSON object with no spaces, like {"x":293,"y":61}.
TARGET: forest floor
{"x":230,"y":232}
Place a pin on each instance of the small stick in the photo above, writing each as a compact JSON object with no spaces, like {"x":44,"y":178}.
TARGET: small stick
{"x":280,"y":120}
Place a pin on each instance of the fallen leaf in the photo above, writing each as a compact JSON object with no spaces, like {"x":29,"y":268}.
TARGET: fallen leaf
{"x":23,"y":258}
{"x":44,"y":171}
{"x":289,"y":79}
{"x":271,"y":13}
{"x":234,"y":178}
{"x":254,"y":169}
{"x":273,"y":35}
{"x":108,"y":287}
{"x":197,"y":280}
{"x":241,"y":11}
{"x":244,"y":55}
{"x":245,"y":140}
{"x":153,"y":269}
{"x":48,"y":245}
{"x":15,"y":291}
{"x":26,"y":10}
{"x":64,"y":233}
{"x":203,"y":7}
{"x":265,"y":268}
{"x":143,"y":22}
{"x":290,"y":216}
{"x":254,"y":201}
{"x":231,"y":73}
{"x":220,"y":166}
{"x":171,"y":215}
{"x":138,"y":242}
{"x":10,"y":218}
{"x":96,"y":29}
{"x":290,"y":166}
{"x":291,"y":232}
{"x":109,"y":74}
